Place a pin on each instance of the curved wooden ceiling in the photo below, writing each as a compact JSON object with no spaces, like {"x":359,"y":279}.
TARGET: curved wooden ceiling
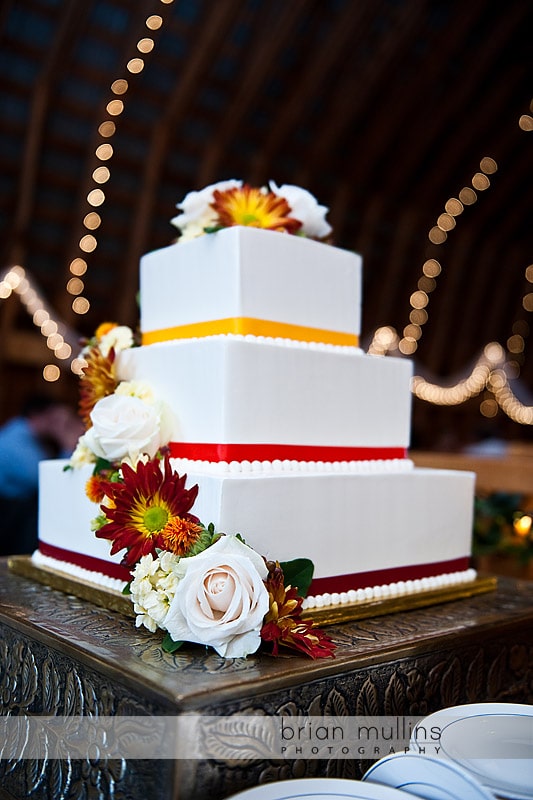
{"x":382,"y":108}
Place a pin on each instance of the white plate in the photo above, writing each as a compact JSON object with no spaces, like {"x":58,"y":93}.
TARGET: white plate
{"x":493,"y":741}
{"x":426,"y":777}
{"x":321,"y":789}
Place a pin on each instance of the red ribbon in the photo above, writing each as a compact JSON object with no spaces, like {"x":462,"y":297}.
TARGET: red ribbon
{"x":336,"y":583}
{"x":380,"y":577}
{"x":205,"y":451}
{"x":107,"y":568}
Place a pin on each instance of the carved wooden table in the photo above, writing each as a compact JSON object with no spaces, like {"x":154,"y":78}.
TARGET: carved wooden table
{"x":63,"y":656}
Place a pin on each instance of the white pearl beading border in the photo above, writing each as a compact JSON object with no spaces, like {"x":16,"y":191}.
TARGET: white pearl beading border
{"x":377,"y":466}
{"x":279,"y":341}
{"x":326,"y":600}
{"x":385,"y":591}
{"x":79,"y":573}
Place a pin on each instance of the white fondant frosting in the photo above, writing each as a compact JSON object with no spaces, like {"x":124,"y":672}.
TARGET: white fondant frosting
{"x":231,"y":390}
{"x":350,"y":517}
{"x":345,"y":522}
{"x":251,"y":273}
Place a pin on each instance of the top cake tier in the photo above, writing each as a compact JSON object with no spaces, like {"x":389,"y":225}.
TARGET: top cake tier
{"x":251,"y":281}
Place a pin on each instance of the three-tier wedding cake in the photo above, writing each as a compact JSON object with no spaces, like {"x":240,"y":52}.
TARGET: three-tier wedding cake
{"x":250,"y":377}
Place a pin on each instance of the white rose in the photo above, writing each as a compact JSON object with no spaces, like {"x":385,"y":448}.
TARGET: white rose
{"x":221,"y":599}
{"x":119,"y":338}
{"x":124,"y":427}
{"x":193,"y":230}
{"x":196,"y":212}
{"x":305,"y":208}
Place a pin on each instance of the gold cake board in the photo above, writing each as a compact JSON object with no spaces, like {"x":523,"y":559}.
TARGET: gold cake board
{"x":326,"y":615}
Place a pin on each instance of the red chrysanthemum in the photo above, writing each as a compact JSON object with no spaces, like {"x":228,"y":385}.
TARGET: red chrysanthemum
{"x":149,"y":510}
{"x":254,"y":208}
{"x":283,"y":624}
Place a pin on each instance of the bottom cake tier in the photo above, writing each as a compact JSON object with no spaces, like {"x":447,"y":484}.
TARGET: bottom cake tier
{"x":369,"y":528}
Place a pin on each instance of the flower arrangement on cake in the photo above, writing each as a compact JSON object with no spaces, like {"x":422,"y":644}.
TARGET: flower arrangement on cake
{"x":194,"y":583}
{"x":285,"y":208}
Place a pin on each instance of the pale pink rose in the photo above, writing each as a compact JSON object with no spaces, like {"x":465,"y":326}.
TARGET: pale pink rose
{"x":221,"y":599}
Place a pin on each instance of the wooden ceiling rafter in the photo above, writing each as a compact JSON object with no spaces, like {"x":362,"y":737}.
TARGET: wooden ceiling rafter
{"x":346,"y":101}
{"x":485,"y":299}
{"x":213,"y":28}
{"x":499,"y":297}
{"x":458,"y":154}
{"x":382,"y":109}
{"x":403,"y":109}
{"x":71,"y":20}
{"x":264,"y":53}
{"x":444,"y":304}
{"x":391,"y":272}
{"x":340,"y":206}
{"x":447,"y":116}
{"x":513,"y":157}
{"x":125,"y":47}
{"x":312,"y":81}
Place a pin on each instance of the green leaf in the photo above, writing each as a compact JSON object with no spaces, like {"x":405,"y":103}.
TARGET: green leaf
{"x":298,"y":573}
{"x":213,"y":228}
{"x":101,"y":465}
{"x":169,"y":645}
{"x":127,"y":588}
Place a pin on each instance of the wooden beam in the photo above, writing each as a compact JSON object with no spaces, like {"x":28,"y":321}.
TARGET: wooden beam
{"x":27,"y":348}
{"x":313,"y":80}
{"x":72,"y":17}
{"x":211,"y":30}
{"x":264,"y":52}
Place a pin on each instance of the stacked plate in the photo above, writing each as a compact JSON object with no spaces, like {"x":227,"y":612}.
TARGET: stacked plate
{"x":321,"y":789}
{"x":470,"y":752}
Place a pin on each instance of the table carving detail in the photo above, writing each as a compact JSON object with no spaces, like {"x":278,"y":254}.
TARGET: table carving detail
{"x":61,"y":656}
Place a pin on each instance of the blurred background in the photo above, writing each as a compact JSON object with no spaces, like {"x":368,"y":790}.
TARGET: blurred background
{"x":411,"y":119}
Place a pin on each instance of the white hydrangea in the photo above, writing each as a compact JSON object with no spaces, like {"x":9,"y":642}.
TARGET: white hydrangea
{"x":82,"y":454}
{"x":139,"y":389}
{"x":153,"y":588}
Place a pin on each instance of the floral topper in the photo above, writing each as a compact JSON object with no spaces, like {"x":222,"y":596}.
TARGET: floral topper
{"x":196,"y":584}
{"x":286,"y":208}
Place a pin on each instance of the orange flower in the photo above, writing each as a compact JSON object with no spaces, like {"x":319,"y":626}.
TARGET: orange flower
{"x":94,"y":489}
{"x":254,"y":208}
{"x":98,"y":380}
{"x":284,"y":625}
{"x":104,"y":328}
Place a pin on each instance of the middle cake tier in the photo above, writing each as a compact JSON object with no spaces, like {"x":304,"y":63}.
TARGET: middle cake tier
{"x":234,"y":398}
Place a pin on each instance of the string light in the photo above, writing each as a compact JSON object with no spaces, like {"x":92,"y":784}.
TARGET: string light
{"x":59,"y":338}
{"x":490,"y":373}
{"x":104,"y":153}
{"x":522,"y":525}
{"x":438,"y":235}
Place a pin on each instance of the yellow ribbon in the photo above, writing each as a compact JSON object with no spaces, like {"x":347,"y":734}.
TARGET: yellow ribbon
{"x":250,"y":326}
